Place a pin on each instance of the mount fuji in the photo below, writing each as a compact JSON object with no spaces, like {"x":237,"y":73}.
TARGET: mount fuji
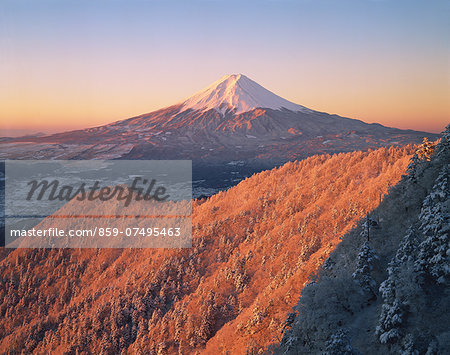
{"x":235,"y":122}
{"x":238,"y":94}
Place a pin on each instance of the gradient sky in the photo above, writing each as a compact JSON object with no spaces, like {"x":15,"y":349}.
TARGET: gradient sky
{"x":74,"y":64}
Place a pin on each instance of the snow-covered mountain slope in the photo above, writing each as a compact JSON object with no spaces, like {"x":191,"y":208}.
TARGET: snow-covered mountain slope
{"x":239,"y":94}
{"x":235,"y":119}
{"x":253,"y":248}
{"x":386,"y":287}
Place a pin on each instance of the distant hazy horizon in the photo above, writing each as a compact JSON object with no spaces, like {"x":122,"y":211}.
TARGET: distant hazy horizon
{"x":78,"y":64}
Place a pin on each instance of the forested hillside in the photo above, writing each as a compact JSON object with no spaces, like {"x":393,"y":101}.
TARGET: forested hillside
{"x":385,"y":289}
{"x":254,"y":248}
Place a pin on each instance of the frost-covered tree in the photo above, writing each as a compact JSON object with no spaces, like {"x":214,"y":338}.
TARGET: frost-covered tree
{"x":404,"y":258}
{"x":405,"y":251}
{"x":328,"y":264}
{"x":434,"y":252}
{"x":425,"y":150}
{"x":390,"y":322}
{"x":364,"y":266}
{"x":443,"y":146}
{"x":408,"y":346}
{"x":412,"y":168}
{"x":395,"y":290}
{"x":339,"y":344}
{"x":423,"y":154}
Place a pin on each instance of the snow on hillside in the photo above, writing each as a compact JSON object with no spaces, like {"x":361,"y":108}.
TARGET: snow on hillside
{"x":240,"y":93}
{"x":385,"y":289}
{"x":254,"y":246}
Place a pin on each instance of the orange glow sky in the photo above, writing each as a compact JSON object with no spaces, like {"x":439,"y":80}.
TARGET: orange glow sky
{"x":76,"y":64}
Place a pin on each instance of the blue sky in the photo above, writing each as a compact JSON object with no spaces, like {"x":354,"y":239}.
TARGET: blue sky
{"x":74,"y":63}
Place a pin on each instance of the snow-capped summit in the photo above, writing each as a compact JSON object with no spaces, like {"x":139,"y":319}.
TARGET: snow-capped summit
{"x":239,"y":93}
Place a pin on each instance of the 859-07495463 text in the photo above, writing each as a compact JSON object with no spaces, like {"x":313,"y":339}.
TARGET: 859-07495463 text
{"x":101,"y":232}
{"x":98,"y":204}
